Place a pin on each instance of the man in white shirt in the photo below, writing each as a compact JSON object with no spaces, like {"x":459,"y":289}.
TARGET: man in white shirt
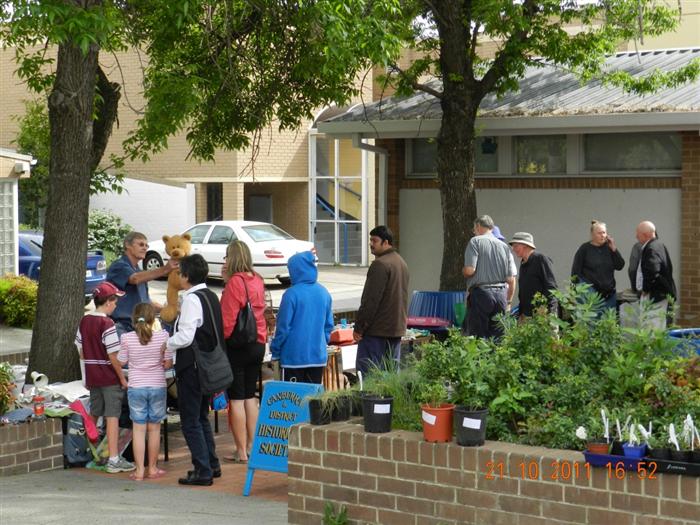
{"x":195,"y":325}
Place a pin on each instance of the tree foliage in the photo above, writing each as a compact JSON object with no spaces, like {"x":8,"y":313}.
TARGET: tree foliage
{"x":219,"y":71}
{"x":575,"y":36}
{"x":34,"y":138}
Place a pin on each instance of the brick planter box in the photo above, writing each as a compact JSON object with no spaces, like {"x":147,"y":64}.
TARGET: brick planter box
{"x":397,"y":478}
{"x":31,"y":447}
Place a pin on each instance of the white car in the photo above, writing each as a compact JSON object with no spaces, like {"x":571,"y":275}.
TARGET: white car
{"x":270,"y":246}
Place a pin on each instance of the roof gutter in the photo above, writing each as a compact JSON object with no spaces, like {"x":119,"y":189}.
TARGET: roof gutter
{"x":526,"y":125}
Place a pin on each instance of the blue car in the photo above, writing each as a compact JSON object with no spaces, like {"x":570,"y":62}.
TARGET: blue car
{"x":30,"y":247}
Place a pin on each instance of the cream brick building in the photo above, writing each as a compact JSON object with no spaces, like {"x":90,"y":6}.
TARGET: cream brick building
{"x":280,"y":186}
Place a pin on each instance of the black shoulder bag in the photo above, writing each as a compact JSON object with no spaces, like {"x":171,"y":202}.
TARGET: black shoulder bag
{"x":246,"y":329}
{"x":213,"y":367}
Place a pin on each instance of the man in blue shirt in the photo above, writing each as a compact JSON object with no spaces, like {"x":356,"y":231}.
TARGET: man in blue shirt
{"x":126,"y":274}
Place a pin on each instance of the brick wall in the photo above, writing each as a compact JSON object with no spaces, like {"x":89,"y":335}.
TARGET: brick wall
{"x":689,"y":287}
{"x":31,"y":447}
{"x":397,"y":478}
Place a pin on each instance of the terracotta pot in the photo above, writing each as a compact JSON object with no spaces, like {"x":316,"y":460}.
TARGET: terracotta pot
{"x":598,"y":447}
{"x":437,"y":422}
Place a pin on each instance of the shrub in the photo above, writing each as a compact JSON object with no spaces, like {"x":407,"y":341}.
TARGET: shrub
{"x":106,"y":231}
{"x":7,"y":379}
{"x":18,"y":295}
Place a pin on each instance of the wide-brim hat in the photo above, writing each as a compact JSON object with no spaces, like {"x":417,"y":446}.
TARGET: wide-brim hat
{"x":523,"y":238}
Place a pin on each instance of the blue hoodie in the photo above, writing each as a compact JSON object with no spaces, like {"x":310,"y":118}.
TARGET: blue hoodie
{"x":305,"y":317}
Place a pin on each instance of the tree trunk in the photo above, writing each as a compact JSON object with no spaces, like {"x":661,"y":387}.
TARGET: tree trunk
{"x":78,"y":141}
{"x":455,"y":144}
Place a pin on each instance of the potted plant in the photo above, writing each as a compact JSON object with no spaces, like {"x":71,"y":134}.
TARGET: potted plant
{"x":593,"y":445}
{"x":469,"y":373}
{"x":436,"y":413}
{"x":657,"y":445}
{"x":319,"y":409}
{"x":633,"y":446}
{"x":339,"y":404}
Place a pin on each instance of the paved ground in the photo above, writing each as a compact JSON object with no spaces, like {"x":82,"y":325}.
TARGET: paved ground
{"x":344,"y":284}
{"x":82,"y":496}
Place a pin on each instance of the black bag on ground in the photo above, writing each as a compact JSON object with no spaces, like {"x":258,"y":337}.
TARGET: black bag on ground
{"x":246,"y":329}
{"x":76,"y":450}
{"x":213,"y":367}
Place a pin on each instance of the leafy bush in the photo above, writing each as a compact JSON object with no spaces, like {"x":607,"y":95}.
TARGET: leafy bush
{"x":18,"y":295}
{"x":106,"y":232}
{"x":547,"y":376}
{"x":7,"y":379}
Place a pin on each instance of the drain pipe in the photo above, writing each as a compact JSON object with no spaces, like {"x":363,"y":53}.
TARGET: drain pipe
{"x":383,"y":169}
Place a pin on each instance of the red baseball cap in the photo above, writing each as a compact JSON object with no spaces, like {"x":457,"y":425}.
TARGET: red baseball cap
{"x":107,"y":289}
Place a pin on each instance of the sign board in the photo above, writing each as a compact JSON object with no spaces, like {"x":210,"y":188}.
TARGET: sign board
{"x":281,"y":407}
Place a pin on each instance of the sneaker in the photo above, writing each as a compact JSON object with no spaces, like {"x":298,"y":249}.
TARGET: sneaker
{"x":120,"y":465}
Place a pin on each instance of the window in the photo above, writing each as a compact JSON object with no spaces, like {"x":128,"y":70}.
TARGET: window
{"x":422,"y":156}
{"x":198,"y":233}
{"x":266,"y":232}
{"x":221,"y":235}
{"x":632,"y":152}
{"x":215,"y":201}
{"x":540,"y":154}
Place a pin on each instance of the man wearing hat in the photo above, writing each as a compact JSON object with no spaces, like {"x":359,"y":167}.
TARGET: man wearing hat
{"x":536,"y":274}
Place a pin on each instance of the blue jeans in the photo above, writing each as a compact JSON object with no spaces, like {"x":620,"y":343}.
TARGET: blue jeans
{"x":194,"y":420}
{"x":373,"y":351}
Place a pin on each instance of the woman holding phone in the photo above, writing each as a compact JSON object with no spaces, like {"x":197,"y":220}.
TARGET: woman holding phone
{"x":595,"y":263}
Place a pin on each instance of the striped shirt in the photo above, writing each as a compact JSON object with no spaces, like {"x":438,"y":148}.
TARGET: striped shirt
{"x":145,"y":361}
{"x":97,"y":338}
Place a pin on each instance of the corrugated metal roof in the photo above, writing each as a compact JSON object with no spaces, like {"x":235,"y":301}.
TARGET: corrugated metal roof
{"x":548,"y":91}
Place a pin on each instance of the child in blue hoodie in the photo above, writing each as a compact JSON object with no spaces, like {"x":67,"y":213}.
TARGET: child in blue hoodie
{"x":304,"y":323}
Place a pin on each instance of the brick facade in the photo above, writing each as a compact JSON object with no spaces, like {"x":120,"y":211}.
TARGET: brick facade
{"x":31,"y":447}
{"x":689,"y":287}
{"x":397,"y":478}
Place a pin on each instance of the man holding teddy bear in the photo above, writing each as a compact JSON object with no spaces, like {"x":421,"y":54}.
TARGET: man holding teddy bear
{"x":126,"y":275}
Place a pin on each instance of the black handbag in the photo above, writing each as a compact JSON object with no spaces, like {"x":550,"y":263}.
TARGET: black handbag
{"x":213,"y":367}
{"x":246,"y":329}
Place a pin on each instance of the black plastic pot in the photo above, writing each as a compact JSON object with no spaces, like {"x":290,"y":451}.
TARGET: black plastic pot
{"x":680,"y":455}
{"x":470,"y":426}
{"x":616,"y":448}
{"x":377,"y":411}
{"x":341,"y":411}
{"x":659,"y":453}
{"x":356,"y":403}
{"x":694,"y":456}
{"x":318,"y":413}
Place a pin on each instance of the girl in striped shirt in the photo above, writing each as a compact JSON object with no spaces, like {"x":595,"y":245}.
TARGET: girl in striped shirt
{"x":141,"y":351}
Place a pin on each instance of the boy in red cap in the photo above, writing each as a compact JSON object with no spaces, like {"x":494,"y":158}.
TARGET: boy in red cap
{"x":98,"y":344}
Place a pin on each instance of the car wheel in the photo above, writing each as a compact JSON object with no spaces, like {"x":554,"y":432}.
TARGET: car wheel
{"x":152,"y":261}
{"x":286,"y":281}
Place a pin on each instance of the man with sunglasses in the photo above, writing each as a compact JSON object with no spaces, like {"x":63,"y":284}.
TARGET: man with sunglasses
{"x":126,"y":274}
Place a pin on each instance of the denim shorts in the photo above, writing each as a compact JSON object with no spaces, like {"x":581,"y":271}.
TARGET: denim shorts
{"x":147,"y":404}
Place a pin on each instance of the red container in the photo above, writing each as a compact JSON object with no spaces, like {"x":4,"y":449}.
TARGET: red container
{"x":437,"y":422}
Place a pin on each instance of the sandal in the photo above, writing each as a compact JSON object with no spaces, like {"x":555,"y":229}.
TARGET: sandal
{"x":234,"y":459}
{"x":159,"y":473}
{"x":134,"y":477}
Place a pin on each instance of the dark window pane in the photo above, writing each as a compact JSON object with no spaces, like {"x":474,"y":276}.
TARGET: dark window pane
{"x":632,"y":151}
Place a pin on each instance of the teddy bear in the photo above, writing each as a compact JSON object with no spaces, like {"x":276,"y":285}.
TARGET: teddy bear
{"x":177,"y":247}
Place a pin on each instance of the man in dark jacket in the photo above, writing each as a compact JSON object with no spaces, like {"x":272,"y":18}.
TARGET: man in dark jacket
{"x":654,"y":277}
{"x":381,"y":319}
{"x":536,"y":274}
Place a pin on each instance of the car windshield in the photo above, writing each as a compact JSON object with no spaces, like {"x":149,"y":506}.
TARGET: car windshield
{"x":33,"y":244}
{"x":266,"y":232}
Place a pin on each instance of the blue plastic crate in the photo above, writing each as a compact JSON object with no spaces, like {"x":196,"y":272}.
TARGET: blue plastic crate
{"x":689,"y":335}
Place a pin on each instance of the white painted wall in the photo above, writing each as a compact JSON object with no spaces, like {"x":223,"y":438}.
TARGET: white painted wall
{"x":558,"y":219}
{"x":151,"y":208}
